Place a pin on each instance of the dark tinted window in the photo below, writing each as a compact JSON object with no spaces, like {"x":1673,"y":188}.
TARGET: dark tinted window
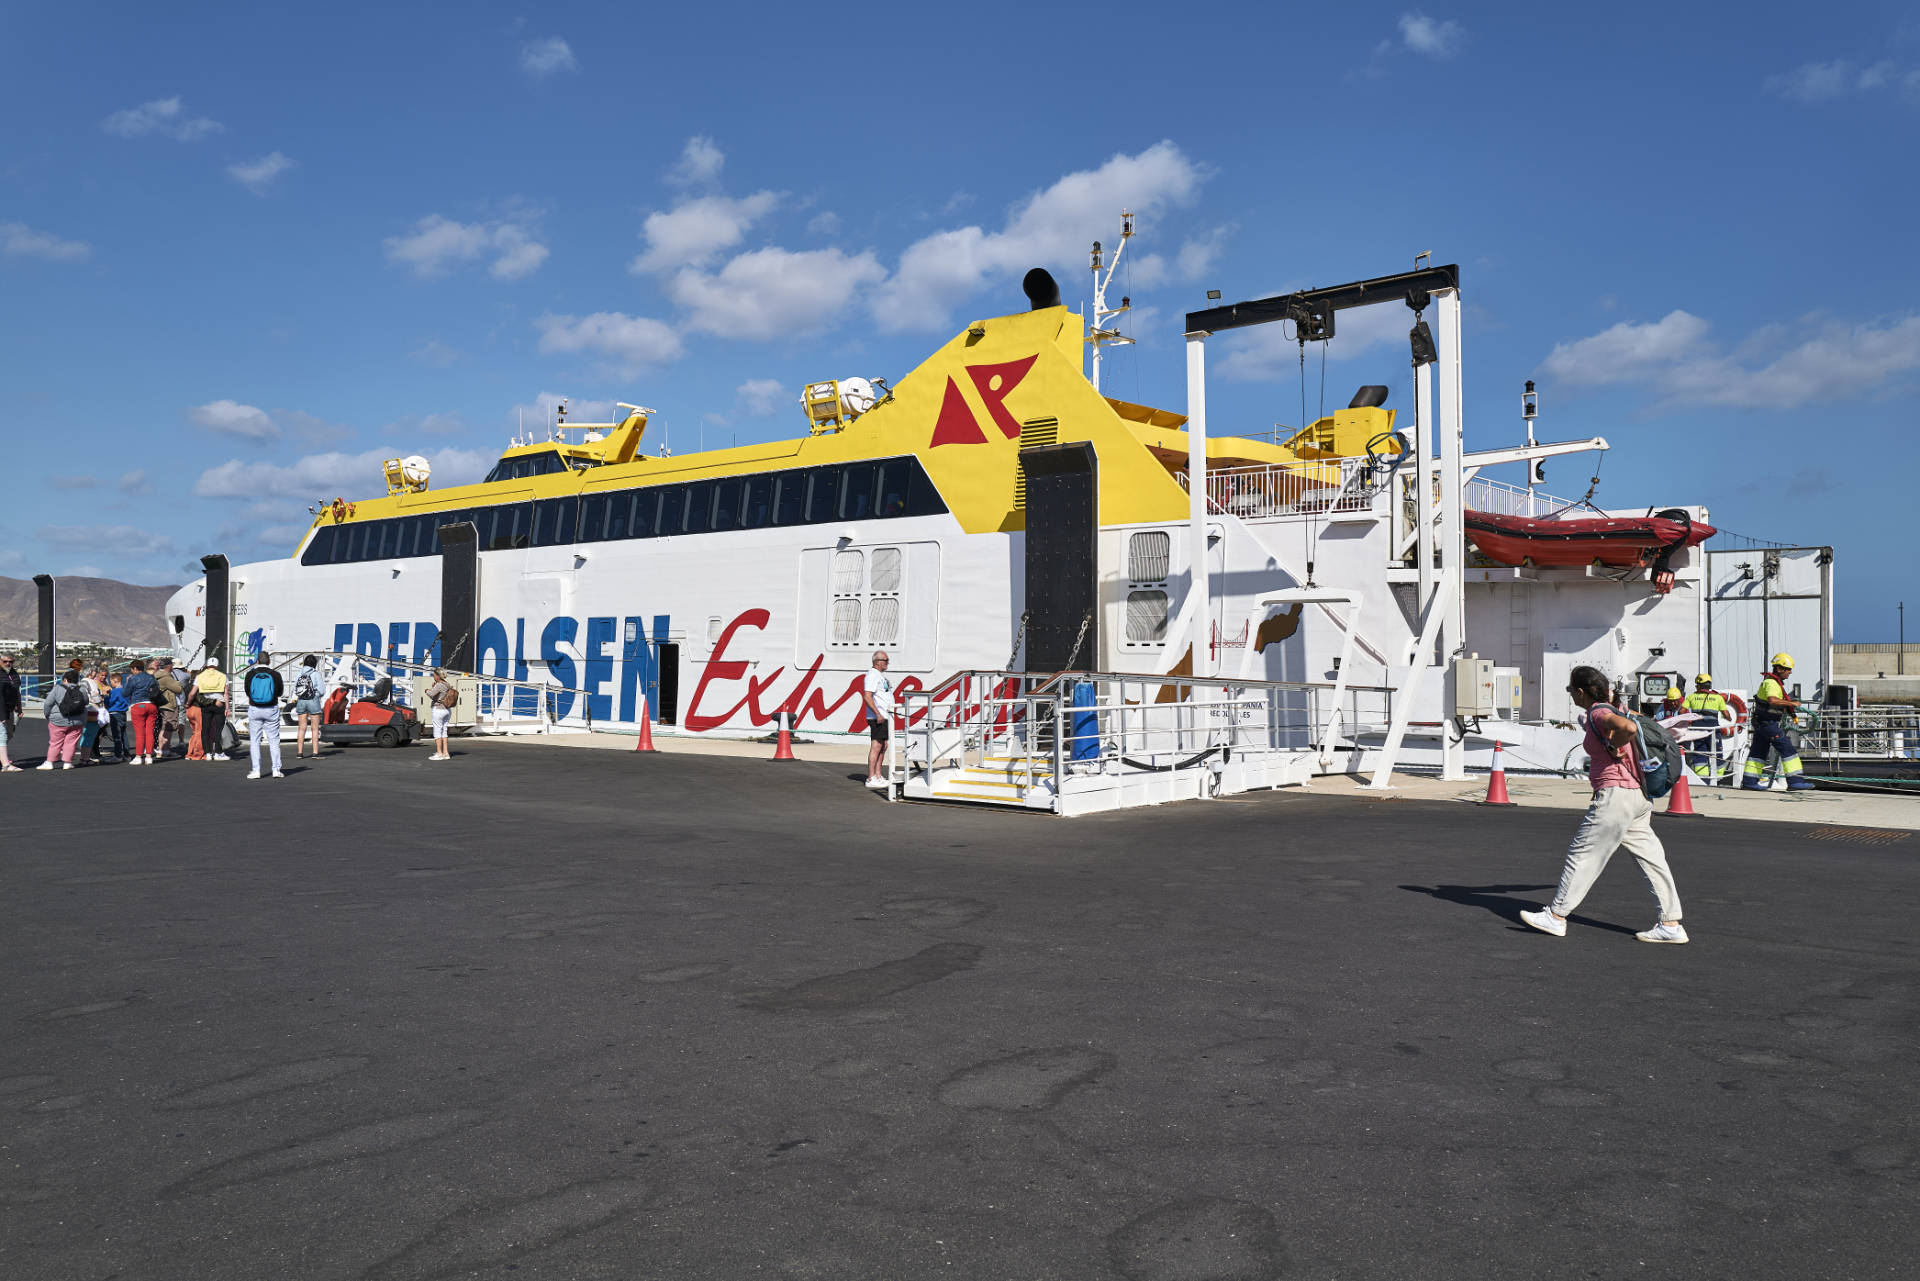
{"x":726,"y":504}
{"x":553,"y":521}
{"x":824,"y":502}
{"x":895,"y":476}
{"x":593,"y":518}
{"x":700,"y":507}
{"x":922,"y":498}
{"x":319,"y":549}
{"x":790,"y":497}
{"x":856,"y":497}
{"x":673,"y":506}
{"x":646,"y":510}
{"x":356,"y":539}
{"x":619,"y":513}
{"x":756,"y":502}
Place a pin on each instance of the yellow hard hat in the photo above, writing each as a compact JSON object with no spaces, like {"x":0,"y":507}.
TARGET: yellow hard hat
{"x":1783,"y":660}
{"x":1703,"y":679}
{"x":1674,"y":691}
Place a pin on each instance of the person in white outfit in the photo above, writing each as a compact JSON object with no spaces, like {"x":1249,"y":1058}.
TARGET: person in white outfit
{"x":263,"y":687}
{"x":1620,"y":816}
{"x":441,"y":697}
{"x":876,"y":694}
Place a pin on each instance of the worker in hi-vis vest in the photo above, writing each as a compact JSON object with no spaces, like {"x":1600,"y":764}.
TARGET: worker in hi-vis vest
{"x":1773,"y":713}
{"x":1703,"y":754}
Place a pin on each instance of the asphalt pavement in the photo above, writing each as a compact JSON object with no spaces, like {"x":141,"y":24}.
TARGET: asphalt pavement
{"x":576,"y":1014}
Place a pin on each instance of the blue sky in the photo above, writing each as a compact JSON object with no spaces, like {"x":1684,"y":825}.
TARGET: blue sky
{"x":245,"y":253}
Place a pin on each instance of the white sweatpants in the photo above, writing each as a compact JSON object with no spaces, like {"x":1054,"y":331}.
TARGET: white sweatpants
{"x":263,"y":730}
{"x":1620,"y":817}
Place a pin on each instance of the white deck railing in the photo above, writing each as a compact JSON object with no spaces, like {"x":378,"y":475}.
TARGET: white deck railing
{"x":1293,"y":489}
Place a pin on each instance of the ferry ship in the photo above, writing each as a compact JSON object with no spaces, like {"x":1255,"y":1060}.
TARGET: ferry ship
{"x":992,"y":510}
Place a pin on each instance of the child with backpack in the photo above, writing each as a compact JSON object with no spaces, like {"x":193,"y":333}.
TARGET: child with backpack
{"x":1621,"y":815}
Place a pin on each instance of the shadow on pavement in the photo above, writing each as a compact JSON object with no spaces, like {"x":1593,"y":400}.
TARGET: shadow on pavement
{"x":1498,"y":900}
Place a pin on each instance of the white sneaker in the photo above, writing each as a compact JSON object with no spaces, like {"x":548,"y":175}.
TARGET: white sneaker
{"x":1546,"y":922}
{"x":278,"y":774}
{"x":221,"y":756}
{"x":1663,"y":934}
{"x":66,"y":764}
{"x":439,"y":756}
{"x":255,"y":774}
{"x":44,"y":765}
{"x":876,"y":783}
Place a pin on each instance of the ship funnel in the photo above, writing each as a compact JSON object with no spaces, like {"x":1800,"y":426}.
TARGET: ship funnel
{"x":1371,"y":396}
{"x":1042,"y":289}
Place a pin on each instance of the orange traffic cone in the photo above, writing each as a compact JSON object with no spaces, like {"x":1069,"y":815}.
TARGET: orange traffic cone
{"x":1497,"y":781}
{"x":1680,"y":799}
{"x":783,"y":749}
{"x":645,"y":744}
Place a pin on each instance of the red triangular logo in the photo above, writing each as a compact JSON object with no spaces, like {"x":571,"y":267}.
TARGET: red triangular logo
{"x":956,"y":424}
{"x":995,"y":383}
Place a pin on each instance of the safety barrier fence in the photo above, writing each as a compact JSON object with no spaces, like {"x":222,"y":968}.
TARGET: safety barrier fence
{"x":1041,"y":728}
{"x":1290,"y":489}
{"x":1498,"y":498}
{"x":1885,"y":730}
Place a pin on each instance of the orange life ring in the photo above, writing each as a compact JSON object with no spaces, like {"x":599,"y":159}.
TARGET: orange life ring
{"x":1739,"y":716}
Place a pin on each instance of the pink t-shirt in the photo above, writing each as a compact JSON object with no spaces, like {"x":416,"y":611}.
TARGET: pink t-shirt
{"x":1604,"y":769}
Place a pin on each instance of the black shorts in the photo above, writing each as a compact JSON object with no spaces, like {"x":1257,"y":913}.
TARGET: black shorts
{"x":878,"y":729}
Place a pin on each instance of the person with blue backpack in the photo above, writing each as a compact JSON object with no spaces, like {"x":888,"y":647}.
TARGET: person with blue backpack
{"x":262,"y":687}
{"x":1621,"y":814}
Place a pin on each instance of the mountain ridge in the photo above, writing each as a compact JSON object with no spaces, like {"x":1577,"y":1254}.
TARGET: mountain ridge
{"x":103,"y":611}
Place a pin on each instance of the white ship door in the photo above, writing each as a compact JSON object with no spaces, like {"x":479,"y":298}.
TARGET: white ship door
{"x":1765,"y":601}
{"x":1601,"y":647}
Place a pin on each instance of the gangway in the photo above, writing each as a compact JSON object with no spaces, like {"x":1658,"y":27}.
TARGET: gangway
{"x":1087,"y":742}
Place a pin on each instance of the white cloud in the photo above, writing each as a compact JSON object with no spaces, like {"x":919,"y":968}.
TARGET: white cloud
{"x":74,"y":482}
{"x":773,"y":292}
{"x":539,"y":412}
{"x":1673,"y":359}
{"x":130,"y":540}
{"x":628,"y":343}
{"x":133,"y":482}
{"x":700,"y":162}
{"x":1269,"y":352}
{"x":1827,"y":81}
{"x":1050,"y":228}
{"x":318,"y":475}
{"x":436,"y":353}
{"x":691,"y":233}
{"x":1425,"y":35}
{"x":824,"y":223}
{"x":163,"y":116}
{"x":230,"y":418}
{"x":257,"y":175}
{"x":547,"y":56}
{"x":438,"y":243}
{"x":761,"y":397}
{"x":1199,"y":253}
{"x":17,"y":240}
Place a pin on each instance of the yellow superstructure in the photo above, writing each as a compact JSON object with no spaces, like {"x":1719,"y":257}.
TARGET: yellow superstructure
{"x":1001,"y":384}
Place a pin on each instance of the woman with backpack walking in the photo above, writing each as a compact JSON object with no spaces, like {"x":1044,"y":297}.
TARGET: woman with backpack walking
{"x":1620,"y":816}
{"x":308,"y":706}
{"x":66,"y":710}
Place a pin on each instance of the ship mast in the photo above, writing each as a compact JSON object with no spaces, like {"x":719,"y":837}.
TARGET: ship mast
{"x":1100,"y":336}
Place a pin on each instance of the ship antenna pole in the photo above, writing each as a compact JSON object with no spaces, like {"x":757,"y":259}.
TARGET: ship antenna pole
{"x":1100,"y":336}
{"x":1529,"y":406}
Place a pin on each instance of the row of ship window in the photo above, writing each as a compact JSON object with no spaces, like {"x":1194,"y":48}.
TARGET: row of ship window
{"x":801,"y":496}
